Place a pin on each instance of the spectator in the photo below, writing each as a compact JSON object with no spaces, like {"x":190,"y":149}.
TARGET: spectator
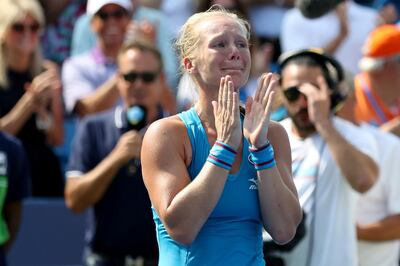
{"x":95,"y":70}
{"x":331,"y":160}
{"x":378,"y":210}
{"x":84,"y":38}
{"x":349,"y":25}
{"x":377,"y":88}
{"x":60,"y":17}
{"x":177,"y":12}
{"x":89,"y":79}
{"x":15,"y":186}
{"x":389,"y":10}
{"x":30,"y":94}
{"x":234,"y":6}
{"x":271,"y":13}
{"x":104,"y":171}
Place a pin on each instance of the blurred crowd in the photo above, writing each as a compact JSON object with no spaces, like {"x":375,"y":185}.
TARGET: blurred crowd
{"x":80,"y":81}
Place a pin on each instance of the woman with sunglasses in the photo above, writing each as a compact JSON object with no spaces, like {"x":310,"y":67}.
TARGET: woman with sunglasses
{"x":215,"y":175}
{"x":30,"y":94}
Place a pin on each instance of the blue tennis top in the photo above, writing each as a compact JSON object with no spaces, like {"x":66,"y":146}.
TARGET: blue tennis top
{"x":232,"y":235}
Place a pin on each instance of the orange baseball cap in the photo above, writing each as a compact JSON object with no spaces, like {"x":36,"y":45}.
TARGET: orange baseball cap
{"x":382,"y":44}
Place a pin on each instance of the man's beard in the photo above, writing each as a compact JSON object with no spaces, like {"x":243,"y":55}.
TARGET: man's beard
{"x":302,"y":121}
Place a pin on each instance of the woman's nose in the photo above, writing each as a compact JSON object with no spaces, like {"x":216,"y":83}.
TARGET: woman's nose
{"x":234,"y":52}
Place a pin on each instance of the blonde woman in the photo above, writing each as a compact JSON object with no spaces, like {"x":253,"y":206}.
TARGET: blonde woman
{"x":215,"y":176}
{"x":30,"y":93}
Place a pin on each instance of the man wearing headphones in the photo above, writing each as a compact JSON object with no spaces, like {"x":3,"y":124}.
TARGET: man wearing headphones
{"x":332,"y":159}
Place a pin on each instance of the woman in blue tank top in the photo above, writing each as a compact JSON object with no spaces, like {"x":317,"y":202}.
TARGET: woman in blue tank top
{"x":216,"y":177}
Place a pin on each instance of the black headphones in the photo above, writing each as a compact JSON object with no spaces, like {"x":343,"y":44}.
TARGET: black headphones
{"x":327,"y":64}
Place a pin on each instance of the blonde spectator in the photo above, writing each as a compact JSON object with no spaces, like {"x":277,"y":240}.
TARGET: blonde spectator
{"x":30,"y":93}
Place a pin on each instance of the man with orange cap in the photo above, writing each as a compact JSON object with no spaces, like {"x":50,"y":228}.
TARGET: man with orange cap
{"x":377,"y":88}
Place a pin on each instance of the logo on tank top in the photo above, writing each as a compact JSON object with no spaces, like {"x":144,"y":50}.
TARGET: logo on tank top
{"x":253,"y":184}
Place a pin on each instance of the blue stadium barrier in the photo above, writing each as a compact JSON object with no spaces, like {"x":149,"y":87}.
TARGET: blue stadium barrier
{"x":50,"y":235}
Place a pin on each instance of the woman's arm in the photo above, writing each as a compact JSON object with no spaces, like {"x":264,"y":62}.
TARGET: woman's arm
{"x":31,"y":101}
{"x":183,"y":205}
{"x":55,"y":135}
{"x":280,"y":207}
{"x":279,"y":203}
{"x":14,"y":120}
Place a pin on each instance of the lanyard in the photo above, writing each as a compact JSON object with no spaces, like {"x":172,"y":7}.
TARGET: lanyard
{"x":371,"y":99}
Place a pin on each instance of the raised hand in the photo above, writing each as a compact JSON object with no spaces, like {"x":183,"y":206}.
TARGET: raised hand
{"x":318,"y":100}
{"x":227,"y":115}
{"x":141,"y":30}
{"x":258,"y":110}
{"x":43,"y":86}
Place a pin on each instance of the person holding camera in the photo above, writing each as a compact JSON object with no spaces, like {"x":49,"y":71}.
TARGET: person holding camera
{"x":332,"y":159}
{"x":104,"y":170}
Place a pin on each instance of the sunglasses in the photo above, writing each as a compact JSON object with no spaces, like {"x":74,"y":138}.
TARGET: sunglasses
{"x":292,"y":93}
{"x":146,"y":77}
{"x":118,"y":14}
{"x":20,"y":27}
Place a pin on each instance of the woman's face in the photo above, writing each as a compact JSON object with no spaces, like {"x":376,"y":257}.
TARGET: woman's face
{"x":22,"y":37}
{"x":223,"y":50}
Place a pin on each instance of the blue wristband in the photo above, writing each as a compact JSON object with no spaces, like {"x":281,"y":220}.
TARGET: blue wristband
{"x":222,"y":155}
{"x":262,"y":158}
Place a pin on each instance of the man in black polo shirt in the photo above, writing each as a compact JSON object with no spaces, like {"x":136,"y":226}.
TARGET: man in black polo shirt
{"x":104,"y":170}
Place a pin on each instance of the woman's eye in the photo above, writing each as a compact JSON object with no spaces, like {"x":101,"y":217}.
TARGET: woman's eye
{"x":242,"y":45}
{"x":220,"y":44}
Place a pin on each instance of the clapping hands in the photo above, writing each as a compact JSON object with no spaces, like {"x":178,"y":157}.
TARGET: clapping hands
{"x":258,"y":111}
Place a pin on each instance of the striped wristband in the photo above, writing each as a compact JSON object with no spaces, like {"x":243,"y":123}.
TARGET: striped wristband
{"x":262,"y":158}
{"x":222,"y":155}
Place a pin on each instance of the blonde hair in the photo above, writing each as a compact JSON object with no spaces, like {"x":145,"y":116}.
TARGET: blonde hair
{"x":10,"y":12}
{"x":188,"y":38}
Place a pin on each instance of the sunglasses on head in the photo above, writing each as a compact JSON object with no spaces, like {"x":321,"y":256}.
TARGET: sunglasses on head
{"x":292,"y":93}
{"x":20,"y":27}
{"x":118,"y":14}
{"x":146,"y":77}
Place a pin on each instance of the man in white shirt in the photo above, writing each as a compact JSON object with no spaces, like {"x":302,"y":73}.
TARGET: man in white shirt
{"x":378,"y":210}
{"x":332,"y":160}
{"x":341,"y":32}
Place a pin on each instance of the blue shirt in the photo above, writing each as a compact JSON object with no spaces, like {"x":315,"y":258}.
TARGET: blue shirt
{"x":121,"y":222}
{"x":232,"y":235}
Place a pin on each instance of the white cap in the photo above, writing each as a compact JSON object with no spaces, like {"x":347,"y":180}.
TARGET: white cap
{"x":93,"y":6}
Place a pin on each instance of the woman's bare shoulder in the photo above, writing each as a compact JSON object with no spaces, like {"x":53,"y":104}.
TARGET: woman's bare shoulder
{"x":168,"y":125}
{"x":168,"y":135}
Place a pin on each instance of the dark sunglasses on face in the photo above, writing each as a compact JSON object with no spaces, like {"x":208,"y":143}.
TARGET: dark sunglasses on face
{"x":118,"y":14}
{"x":292,"y":93}
{"x":146,"y":77}
{"x":20,"y":27}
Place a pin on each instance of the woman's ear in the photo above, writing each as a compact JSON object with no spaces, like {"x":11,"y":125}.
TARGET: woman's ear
{"x":189,"y":66}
